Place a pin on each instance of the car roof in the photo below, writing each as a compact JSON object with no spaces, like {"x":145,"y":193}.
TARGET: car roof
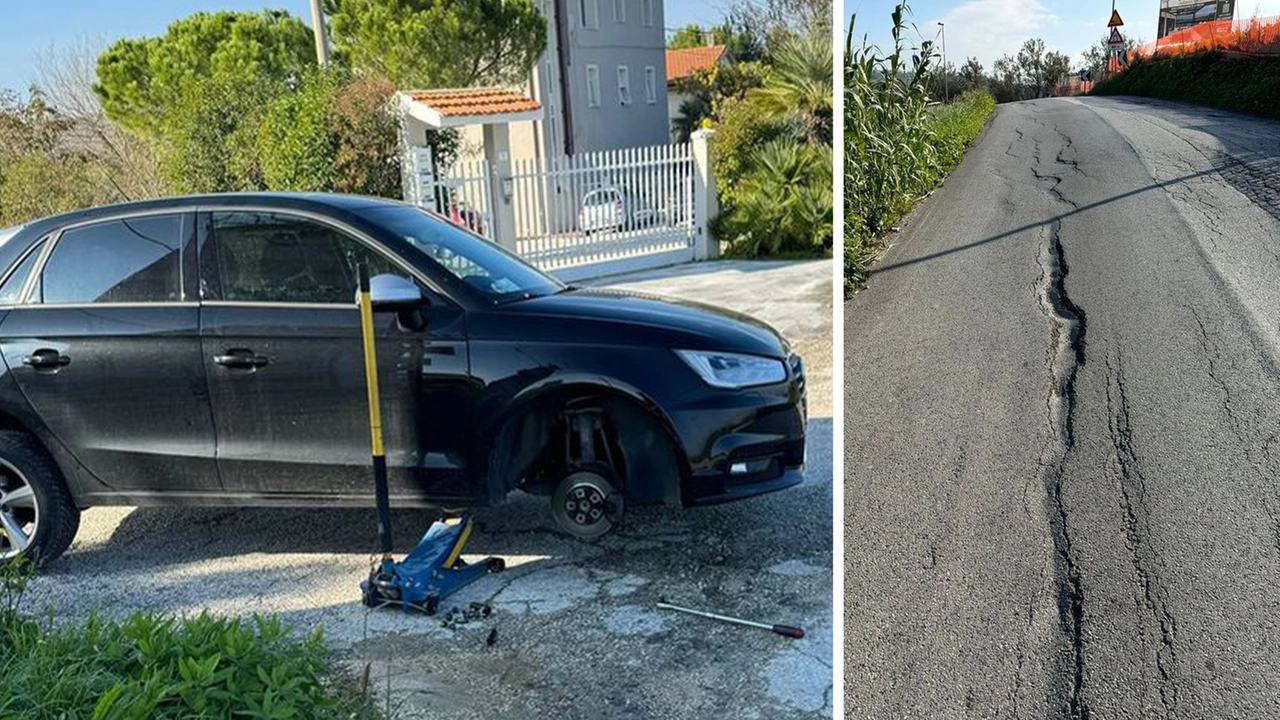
{"x":283,"y":201}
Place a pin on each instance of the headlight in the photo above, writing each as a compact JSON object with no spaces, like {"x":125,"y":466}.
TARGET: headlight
{"x":732,"y":370}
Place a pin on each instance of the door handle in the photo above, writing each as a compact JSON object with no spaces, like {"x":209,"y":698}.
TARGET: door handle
{"x":241,"y":359}
{"x":46,"y":359}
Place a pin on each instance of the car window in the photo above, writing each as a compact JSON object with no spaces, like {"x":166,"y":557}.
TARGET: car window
{"x":11,"y":290}
{"x":275,"y":257}
{"x":129,"y":260}
{"x":602,"y":197}
{"x":481,"y":266}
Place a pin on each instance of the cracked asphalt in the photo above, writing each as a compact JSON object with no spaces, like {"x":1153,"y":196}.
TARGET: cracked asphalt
{"x":1062,"y":412}
{"x":578,"y":634}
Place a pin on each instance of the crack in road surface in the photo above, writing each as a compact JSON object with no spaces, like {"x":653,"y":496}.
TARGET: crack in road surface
{"x":1065,"y":358}
{"x":1133,"y":490}
{"x":1066,"y":354}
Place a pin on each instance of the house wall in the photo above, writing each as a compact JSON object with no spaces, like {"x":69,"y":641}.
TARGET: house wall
{"x":610,"y":126}
{"x":631,"y":43}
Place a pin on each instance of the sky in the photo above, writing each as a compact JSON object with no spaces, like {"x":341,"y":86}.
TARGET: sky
{"x":29,"y":28}
{"x":988,"y":29}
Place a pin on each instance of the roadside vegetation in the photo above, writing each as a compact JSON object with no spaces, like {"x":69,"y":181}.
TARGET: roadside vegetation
{"x":772,"y":109}
{"x":897,"y":147}
{"x":1217,"y":79}
{"x":157,"y":667}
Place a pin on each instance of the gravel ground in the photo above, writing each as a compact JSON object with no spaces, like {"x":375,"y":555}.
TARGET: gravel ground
{"x":578,"y":635}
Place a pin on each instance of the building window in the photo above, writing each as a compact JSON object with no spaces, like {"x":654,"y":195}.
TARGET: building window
{"x":650,"y":85}
{"x":589,"y":14}
{"x":620,"y":11}
{"x":646,"y":12}
{"x":593,"y":86}
{"x":624,"y":85}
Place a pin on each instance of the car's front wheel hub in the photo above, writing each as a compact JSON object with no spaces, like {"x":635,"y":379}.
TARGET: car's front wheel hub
{"x":586,"y":505}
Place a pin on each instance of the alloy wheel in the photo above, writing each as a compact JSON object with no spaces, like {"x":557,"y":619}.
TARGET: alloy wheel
{"x":19,"y":512}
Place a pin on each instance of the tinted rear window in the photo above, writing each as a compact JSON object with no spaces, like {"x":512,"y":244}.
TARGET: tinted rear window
{"x":132,"y":260}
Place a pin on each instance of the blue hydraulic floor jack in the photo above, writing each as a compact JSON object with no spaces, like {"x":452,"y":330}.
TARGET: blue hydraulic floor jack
{"x":434,"y":569}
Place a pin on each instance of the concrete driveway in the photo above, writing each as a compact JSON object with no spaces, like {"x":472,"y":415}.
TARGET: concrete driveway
{"x":577,"y":632}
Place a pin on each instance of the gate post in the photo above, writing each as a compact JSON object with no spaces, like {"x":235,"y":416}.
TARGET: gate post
{"x":706,"y":203}
{"x":497,"y":155}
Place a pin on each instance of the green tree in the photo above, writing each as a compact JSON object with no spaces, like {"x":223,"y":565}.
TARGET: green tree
{"x":440,"y":43}
{"x":972,"y":74}
{"x":744,"y":44}
{"x":141,"y":82}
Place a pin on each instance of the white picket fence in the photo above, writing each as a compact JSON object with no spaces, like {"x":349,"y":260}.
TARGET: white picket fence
{"x":580,"y":216}
{"x":605,"y":207}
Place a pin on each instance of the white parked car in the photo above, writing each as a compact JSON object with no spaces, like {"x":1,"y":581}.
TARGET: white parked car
{"x":612,"y":209}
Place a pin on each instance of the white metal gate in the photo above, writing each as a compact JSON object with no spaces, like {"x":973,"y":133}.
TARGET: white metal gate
{"x":459,"y":193}
{"x":605,"y":212}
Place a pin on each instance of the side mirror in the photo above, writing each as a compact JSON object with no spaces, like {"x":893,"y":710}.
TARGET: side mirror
{"x":389,"y":293}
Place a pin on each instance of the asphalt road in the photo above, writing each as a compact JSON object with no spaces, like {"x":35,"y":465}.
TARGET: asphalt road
{"x":1062,"y":485}
{"x":578,"y":635}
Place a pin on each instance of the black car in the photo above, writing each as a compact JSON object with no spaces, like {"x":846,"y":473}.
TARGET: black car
{"x":206,"y":351}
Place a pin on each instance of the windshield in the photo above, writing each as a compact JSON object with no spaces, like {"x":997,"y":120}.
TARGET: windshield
{"x":483,"y":266}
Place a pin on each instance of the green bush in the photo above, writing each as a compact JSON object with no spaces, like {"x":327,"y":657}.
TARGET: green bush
{"x":296,"y":143}
{"x":156,"y":667}
{"x":208,"y":142}
{"x":773,"y":154}
{"x":1240,"y":84}
{"x":783,"y":205}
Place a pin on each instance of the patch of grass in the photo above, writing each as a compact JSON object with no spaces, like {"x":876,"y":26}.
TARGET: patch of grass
{"x":956,"y":125}
{"x":1221,"y":80}
{"x":152,"y":666}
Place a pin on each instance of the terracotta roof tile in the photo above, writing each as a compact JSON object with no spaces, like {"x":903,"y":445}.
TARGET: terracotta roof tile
{"x":474,"y":101}
{"x":684,"y":62}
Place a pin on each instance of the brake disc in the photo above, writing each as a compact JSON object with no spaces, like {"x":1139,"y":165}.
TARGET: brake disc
{"x":586,"y":505}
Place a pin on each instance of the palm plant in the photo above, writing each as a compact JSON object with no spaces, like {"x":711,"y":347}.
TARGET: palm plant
{"x":784,"y":203}
{"x":800,"y":86}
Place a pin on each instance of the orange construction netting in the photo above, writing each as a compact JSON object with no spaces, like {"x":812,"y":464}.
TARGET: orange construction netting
{"x":1255,"y":36}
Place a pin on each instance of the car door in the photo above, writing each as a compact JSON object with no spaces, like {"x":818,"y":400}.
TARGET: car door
{"x":282,"y":350}
{"x":106,"y":348}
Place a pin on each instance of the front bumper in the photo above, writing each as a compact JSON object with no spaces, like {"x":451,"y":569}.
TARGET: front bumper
{"x":742,"y":443}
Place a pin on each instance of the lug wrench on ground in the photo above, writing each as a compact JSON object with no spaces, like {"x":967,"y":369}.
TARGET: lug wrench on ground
{"x":784,"y":630}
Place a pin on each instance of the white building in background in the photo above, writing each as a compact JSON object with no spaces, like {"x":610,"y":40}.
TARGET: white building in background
{"x":601,"y":82}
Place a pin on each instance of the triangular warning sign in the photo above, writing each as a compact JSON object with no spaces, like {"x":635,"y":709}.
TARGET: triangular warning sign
{"x":1115,"y":38}
{"x":1115,"y":19}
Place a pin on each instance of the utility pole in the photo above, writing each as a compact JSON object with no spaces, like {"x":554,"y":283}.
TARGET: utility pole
{"x":946,"y":90}
{"x":317,"y":27}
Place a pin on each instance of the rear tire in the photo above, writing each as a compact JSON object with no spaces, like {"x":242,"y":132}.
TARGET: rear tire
{"x":34,"y":501}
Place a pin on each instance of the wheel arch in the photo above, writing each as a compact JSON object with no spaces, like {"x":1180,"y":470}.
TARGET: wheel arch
{"x":522,"y":436}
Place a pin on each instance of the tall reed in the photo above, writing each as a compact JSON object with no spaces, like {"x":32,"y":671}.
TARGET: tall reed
{"x":890,"y":157}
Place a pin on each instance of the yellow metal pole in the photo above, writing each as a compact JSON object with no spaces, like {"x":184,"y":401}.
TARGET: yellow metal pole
{"x":381,"y":494}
